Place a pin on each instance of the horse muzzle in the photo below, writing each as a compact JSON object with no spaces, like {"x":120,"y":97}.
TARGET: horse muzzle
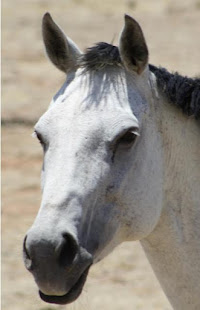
{"x":58,"y":263}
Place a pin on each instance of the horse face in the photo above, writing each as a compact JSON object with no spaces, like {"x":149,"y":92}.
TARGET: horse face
{"x":96,"y":189}
{"x":100,"y":177}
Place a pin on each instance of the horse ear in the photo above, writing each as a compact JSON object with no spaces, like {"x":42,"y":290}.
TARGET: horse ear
{"x":62,"y":51}
{"x":132,"y":46}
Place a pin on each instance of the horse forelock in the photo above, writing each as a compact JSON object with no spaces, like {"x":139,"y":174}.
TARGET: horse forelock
{"x":100,"y":56}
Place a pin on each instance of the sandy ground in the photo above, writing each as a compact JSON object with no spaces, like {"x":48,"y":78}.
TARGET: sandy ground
{"x":124,"y":280}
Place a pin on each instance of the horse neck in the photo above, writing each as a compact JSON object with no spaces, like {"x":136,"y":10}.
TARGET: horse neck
{"x":173,"y":248}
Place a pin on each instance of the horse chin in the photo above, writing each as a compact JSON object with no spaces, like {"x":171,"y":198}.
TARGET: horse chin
{"x":69,"y":297}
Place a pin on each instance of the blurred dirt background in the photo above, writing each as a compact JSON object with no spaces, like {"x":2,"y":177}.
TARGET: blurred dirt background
{"x":124,"y":280}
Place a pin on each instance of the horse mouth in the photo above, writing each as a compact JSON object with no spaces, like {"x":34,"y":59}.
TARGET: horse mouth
{"x":69,"y":297}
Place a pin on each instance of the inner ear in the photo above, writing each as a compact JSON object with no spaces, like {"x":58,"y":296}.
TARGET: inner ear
{"x":62,"y":51}
{"x":132,"y":46}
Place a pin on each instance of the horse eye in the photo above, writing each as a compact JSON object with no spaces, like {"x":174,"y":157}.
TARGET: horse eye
{"x":128,"y":138}
{"x":39,"y":137}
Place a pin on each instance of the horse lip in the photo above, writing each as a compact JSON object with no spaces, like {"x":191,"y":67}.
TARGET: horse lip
{"x":69,"y":297}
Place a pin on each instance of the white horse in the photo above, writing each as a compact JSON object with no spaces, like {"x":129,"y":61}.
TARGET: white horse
{"x":121,"y":145}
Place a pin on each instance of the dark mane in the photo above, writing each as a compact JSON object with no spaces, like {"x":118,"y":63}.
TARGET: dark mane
{"x":180,"y":90}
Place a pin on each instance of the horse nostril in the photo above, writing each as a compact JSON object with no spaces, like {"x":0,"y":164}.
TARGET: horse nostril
{"x":26,"y":256}
{"x":68,"y":251}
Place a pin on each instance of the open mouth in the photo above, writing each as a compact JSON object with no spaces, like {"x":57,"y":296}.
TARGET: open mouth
{"x":72,"y":295}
